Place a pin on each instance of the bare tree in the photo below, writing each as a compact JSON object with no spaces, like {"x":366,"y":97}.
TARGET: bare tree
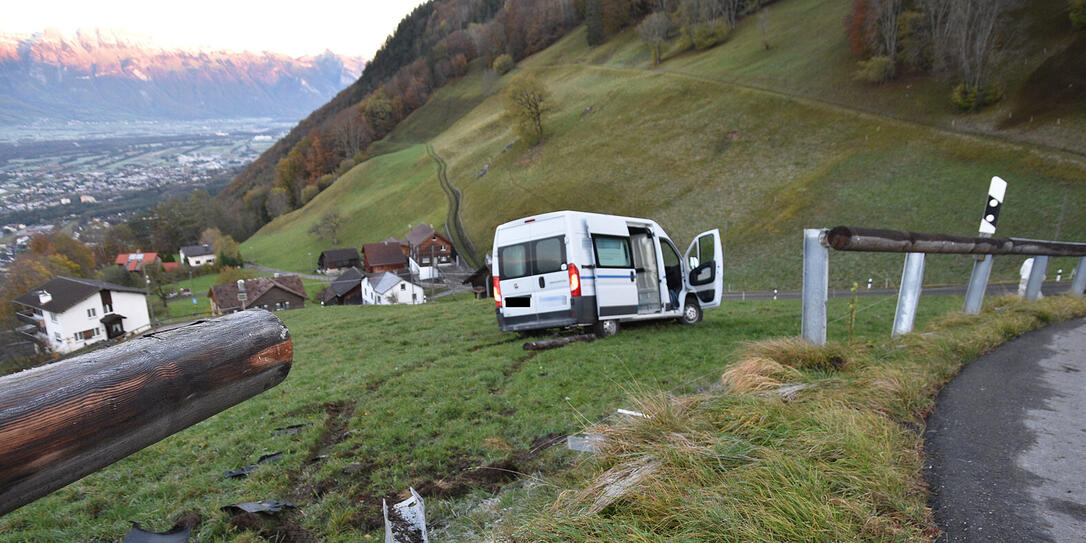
{"x":963,"y":35}
{"x":654,"y":30}
{"x":328,"y":227}
{"x":526,"y":101}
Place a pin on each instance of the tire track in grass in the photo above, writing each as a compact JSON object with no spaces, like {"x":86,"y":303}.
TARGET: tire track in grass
{"x":454,"y":227}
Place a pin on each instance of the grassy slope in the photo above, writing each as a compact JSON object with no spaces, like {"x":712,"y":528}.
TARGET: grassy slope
{"x":686,"y":145}
{"x":379,"y":198}
{"x":398,"y":396}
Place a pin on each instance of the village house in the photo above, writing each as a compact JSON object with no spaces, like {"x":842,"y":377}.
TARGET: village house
{"x":271,"y":293}
{"x":427,"y":244}
{"x":382,"y":257}
{"x":196,"y":256}
{"x":388,"y":288}
{"x":338,"y":260}
{"x":65,"y":314}
{"x":345,"y":289}
{"x":404,"y":246}
{"x":134,"y":262}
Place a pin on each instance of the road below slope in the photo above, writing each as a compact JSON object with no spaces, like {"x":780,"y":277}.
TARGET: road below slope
{"x":1006,"y":444}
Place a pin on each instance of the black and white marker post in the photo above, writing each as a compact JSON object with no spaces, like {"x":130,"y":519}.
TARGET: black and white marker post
{"x":982,"y":268}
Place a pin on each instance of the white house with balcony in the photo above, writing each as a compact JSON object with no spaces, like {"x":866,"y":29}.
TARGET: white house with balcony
{"x":66,"y":314}
{"x":197,"y":255}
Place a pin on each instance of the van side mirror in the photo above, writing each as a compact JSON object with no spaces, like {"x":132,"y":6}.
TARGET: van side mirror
{"x":693,"y":261}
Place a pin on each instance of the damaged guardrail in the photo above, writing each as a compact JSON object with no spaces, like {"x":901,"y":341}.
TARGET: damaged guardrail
{"x":818,"y":241}
{"x":63,"y":421}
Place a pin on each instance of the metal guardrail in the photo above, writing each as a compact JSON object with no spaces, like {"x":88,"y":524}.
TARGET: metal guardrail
{"x":817,"y":242}
{"x":63,"y":421}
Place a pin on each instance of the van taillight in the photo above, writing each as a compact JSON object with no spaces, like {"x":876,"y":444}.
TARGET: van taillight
{"x":497,"y":292}
{"x":574,"y":281}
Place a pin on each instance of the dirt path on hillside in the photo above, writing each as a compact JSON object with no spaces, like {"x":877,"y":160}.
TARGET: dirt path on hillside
{"x":455,"y":228}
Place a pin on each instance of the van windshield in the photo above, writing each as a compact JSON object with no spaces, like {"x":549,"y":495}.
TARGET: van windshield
{"x":534,"y":257}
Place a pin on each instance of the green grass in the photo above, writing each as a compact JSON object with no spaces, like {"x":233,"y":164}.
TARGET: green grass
{"x":760,"y":144}
{"x":407,"y":396}
{"x":381,"y":198}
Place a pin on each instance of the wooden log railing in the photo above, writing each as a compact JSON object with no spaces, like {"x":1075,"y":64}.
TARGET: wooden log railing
{"x":63,"y":421}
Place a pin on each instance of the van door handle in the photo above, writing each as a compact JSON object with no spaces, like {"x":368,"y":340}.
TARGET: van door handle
{"x":633,"y":274}
{"x":541,"y":282}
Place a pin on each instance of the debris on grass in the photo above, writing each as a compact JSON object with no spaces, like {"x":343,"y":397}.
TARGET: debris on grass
{"x":405,"y":522}
{"x":178,"y":534}
{"x":617,"y":482}
{"x":293,"y":429}
{"x":262,"y":506}
{"x":240,"y":472}
{"x":586,"y":443}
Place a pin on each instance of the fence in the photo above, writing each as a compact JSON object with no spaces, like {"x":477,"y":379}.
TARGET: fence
{"x":817,"y":242}
{"x":63,"y":421}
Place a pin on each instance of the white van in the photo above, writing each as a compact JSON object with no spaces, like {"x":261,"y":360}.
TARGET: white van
{"x":570,"y":268}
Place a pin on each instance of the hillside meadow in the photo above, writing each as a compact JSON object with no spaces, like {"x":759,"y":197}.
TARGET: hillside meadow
{"x":431,"y":396}
{"x":758,"y":143}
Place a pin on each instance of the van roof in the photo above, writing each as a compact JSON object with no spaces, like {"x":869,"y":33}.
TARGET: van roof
{"x":567,"y":212}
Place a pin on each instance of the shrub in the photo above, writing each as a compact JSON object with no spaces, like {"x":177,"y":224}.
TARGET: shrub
{"x":1077,"y":12}
{"x":309,"y":192}
{"x":875,"y":70}
{"x":706,"y":35}
{"x":503,"y":64}
{"x":326,"y":181}
{"x":972,"y":98}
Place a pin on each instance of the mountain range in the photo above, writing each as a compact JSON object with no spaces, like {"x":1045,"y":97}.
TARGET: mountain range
{"x":103,"y":76}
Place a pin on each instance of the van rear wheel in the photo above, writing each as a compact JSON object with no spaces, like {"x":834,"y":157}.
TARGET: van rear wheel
{"x":691,"y":312}
{"x":605,"y":328}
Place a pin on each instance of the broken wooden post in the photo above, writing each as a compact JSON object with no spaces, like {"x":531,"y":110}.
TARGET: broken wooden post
{"x":63,"y":421}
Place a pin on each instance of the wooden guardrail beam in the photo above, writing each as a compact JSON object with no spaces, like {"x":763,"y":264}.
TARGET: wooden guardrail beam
{"x":851,"y":238}
{"x":63,"y":421}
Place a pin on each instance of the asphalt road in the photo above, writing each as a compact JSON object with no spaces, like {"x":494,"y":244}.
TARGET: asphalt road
{"x":1006,"y":444}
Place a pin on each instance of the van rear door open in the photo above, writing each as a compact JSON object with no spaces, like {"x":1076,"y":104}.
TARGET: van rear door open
{"x":706,"y":278}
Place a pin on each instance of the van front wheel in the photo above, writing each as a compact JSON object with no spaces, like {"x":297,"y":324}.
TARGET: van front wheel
{"x":605,"y":328}
{"x":691,"y":312}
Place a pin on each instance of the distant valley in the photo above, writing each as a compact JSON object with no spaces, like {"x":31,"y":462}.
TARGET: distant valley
{"x":98,"y":76}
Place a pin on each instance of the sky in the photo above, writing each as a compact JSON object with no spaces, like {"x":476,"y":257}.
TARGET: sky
{"x":355,"y":28}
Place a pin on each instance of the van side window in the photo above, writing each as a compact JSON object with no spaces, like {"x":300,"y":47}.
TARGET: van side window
{"x":513,"y":261}
{"x":549,"y":255}
{"x":612,"y":252}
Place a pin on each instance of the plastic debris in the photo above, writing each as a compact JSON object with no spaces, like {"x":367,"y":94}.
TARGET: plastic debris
{"x":240,"y":472}
{"x":272,"y":457}
{"x":632,"y":413}
{"x":586,"y":443}
{"x":262,"y":506}
{"x":290,"y":430}
{"x":177,"y":534}
{"x":405,"y":522}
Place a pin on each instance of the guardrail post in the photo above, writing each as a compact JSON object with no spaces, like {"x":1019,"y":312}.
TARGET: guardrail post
{"x":978,"y":283}
{"x":1036,"y":278}
{"x":909,"y":295}
{"x":816,"y":279}
{"x":1078,"y":284}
